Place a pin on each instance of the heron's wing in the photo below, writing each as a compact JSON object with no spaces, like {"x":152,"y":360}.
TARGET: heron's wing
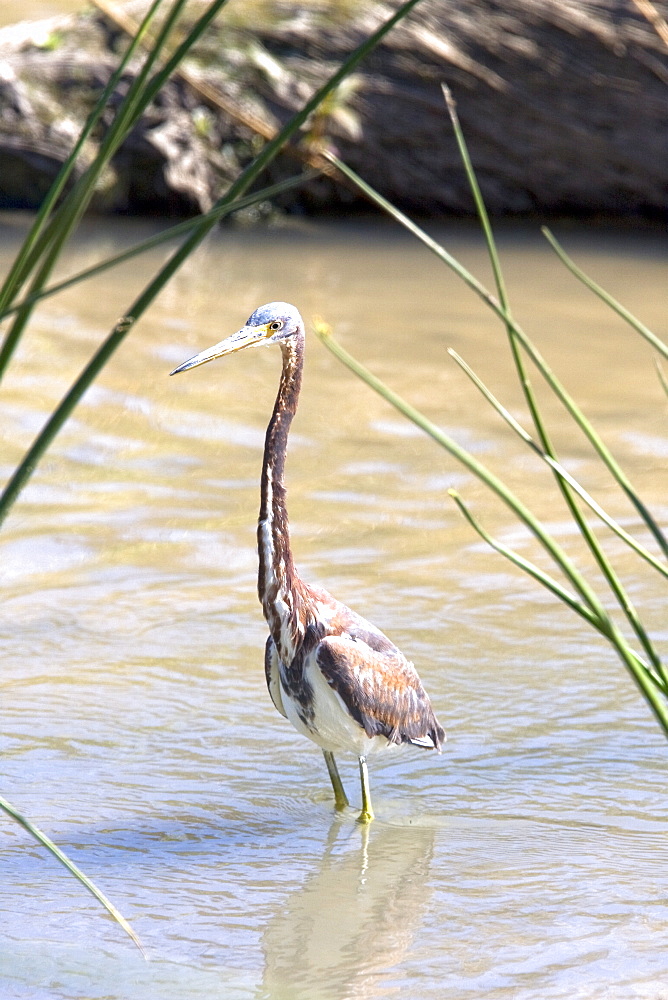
{"x":272,"y":675}
{"x":379,"y":687}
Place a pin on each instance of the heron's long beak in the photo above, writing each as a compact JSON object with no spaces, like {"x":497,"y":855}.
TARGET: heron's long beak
{"x":247,"y":336}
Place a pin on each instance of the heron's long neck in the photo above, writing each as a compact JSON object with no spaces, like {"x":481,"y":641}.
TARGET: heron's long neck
{"x":279,"y":587}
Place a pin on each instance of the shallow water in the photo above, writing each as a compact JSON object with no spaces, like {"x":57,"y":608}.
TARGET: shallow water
{"x":529,"y":859}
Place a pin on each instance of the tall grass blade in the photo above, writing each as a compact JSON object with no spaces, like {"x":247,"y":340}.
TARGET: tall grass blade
{"x":481,"y":208}
{"x":490,"y":242}
{"x":501,"y":310}
{"x":72,"y":868}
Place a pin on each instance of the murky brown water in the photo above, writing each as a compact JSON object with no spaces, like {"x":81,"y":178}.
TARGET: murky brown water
{"x":529,"y":860}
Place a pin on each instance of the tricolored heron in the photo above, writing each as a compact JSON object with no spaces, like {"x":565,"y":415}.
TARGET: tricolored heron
{"x":333,"y":674}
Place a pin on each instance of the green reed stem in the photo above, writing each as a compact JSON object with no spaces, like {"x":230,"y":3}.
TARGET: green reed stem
{"x":643,"y":676}
{"x":71,"y":867}
{"x":495,"y":261}
{"x":518,"y":334}
{"x":490,"y":242}
{"x":515,"y":347}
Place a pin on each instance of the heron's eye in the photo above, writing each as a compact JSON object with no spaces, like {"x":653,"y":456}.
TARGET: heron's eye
{"x":276,"y":325}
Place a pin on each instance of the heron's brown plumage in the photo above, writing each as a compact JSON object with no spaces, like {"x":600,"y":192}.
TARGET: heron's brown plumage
{"x":380,"y":689}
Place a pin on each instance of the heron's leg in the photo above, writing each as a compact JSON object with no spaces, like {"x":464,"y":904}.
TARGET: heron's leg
{"x":340,"y":797}
{"x":367,"y":812}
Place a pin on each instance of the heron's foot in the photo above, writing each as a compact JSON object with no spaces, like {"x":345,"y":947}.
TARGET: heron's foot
{"x":365,"y":816}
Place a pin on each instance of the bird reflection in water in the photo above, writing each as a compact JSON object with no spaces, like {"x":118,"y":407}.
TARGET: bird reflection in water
{"x":334,"y":675}
{"x":355,"y":919}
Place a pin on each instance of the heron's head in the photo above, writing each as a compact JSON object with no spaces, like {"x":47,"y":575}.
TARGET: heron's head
{"x":273,"y":323}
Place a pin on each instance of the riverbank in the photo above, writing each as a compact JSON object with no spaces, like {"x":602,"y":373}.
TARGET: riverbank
{"x":564,"y":108}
